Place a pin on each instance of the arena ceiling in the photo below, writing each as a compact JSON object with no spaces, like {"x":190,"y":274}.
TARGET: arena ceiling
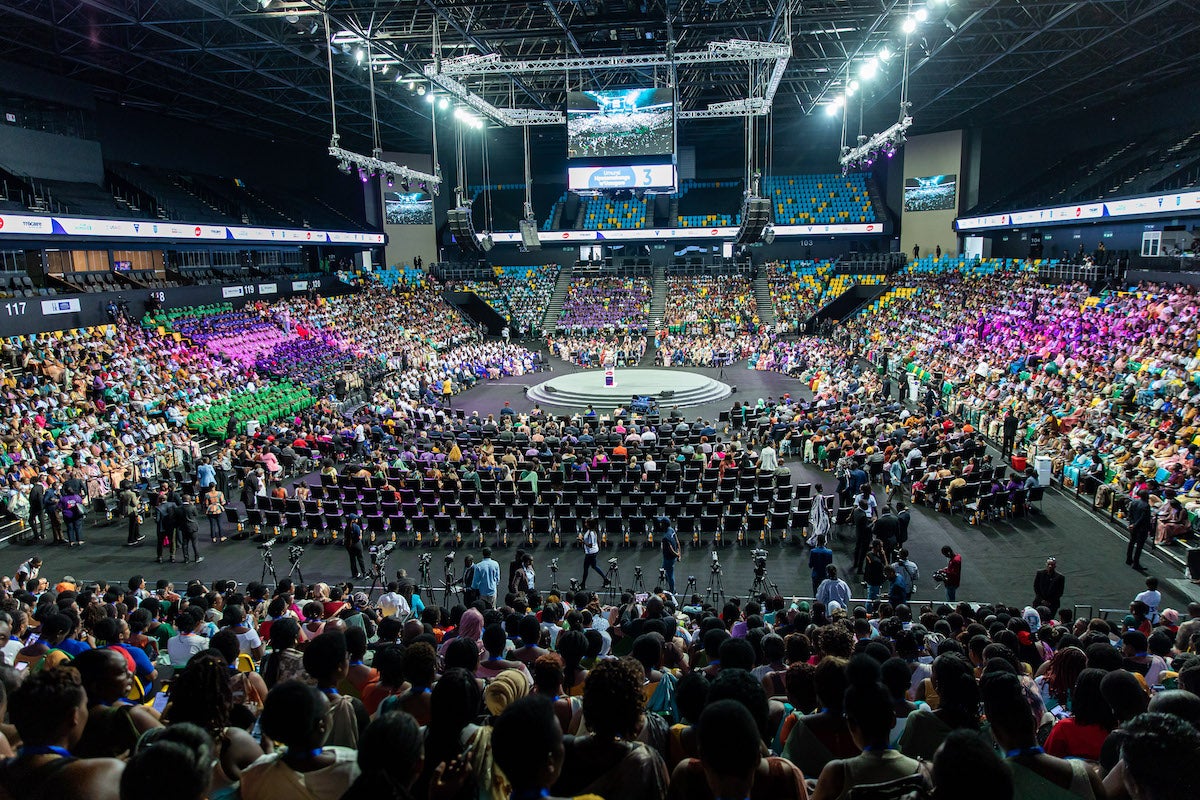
{"x":260,"y":64}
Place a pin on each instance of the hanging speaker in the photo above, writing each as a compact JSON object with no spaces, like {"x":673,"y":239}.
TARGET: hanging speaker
{"x":756,"y":216}
{"x":768,"y":236}
{"x":529,"y":234}
{"x":486,"y":243}
{"x":463,"y":229}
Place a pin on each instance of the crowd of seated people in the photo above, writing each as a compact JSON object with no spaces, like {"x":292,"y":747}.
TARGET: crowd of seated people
{"x":1105,"y":385}
{"x":527,"y":291}
{"x":324,"y":692}
{"x":598,"y":350}
{"x":706,"y":305}
{"x":719,"y":349}
{"x":796,"y":291}
{"x":599,"y":304}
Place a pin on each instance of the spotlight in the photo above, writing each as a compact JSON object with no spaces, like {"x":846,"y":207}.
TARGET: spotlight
{"x":412,"y":85}
{"x":383,"y":70}
{"x":832,"y":109}
{"x":431,"y":98}
{"x":910,"y":25}
{"x":344,"y":166}
{"x":868,"y":69}
{"x":921,"y":15}
{"x":390,"y":180}
{"x":885,"y":55}
{"x":458,"y":112}
{"x":358,"y":55}
{"x":399,"y":77}
{"x":420,"y":89}
{"x":404,"y":187}
{"x":362,"y":174}
{"x":443,"y":104}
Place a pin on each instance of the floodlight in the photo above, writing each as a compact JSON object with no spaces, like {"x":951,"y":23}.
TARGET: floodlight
{"x":910,"y":25}
{"x":921,"y":15}
{"x":868,"y":69}
{"x":885,"y":54}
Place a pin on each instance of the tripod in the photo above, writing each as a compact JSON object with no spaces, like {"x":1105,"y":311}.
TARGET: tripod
{"x":449,"y":584}
{"x":423,"y":568}
{"x":294,"y":555}
{"x":638,"y":584}
{"x":612,"y":579}
{"x":268,"y":566}
{"x":690,"y":588}
{"x":554,"y":577}
{"x":762,"y":585}
{"x":716,"y":588}
{"x":376,"y":577}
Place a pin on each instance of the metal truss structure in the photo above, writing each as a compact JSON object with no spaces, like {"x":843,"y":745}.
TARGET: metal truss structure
{"x":259,"y":65}
{"x":446,"y":74}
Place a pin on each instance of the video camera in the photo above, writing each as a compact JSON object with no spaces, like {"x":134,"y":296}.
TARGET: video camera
{"x":295,"y":553}
{"x":424,"y":559}
{"x":449,"y":558}
{"x":637,"y":572}
{"x":716,"y":563}
{"x":612,"y":562}
{"x":379,"y":553}
{"x":760,"y":561}
{"x":553,"y":565}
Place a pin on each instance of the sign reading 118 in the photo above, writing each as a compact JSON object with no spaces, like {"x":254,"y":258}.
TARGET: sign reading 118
{"x":15,"y":309}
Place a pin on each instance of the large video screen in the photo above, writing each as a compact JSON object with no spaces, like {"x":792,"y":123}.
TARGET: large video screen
{"x":620,"y":122}
{"x":644,"y":176}
{"x":407,"y":208}
{"x":932,"y":193}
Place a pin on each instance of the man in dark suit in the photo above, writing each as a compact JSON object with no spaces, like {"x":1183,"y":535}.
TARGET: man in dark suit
{"x":1048,"y":586}
{"x":1138,"y":515}
{"x":887,"y":529}
{"x":903,"y":517}
{"x":1010,"y":434}
{"x":861,"y":517}
{"x":188,"y":517}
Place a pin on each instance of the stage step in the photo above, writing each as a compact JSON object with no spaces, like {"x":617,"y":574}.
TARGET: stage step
{"x":668,"y":387}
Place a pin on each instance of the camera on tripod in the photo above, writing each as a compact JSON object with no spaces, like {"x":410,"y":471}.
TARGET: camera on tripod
{"x":449,"y":559}
{"x":716,"y":563}
{"x":380,"y":553}
{"x":553,"y":565}
{"x":637,"y":572}
{"x":612,"y":562}
{"x":760,"y":558}
{"x":295,"y":553}
{"x":424,"y":559}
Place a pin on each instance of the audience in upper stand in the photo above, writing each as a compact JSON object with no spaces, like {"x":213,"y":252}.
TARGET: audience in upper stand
{"x":606,"y":304}
{"x":527,"y":291}
{"x":795,"y":296}
{"x":703,"y":305}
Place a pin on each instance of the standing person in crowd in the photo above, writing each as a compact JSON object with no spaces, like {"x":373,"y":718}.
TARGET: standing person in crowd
{"x":354,"y":547}
{"x":819,"y":558}
{"x":73,"y":512}
{"x":189,"y":527}
{"x":1140,"y":520}
{"x":128,"y":506}
{"x":670,"y":552}
{"x":833,"y":589}
{"x":486,"y":578}
{"x":1048,"y":586}
{"x":214,"y":509}
{"x":951,"y":574}
{"x":591,"y":549}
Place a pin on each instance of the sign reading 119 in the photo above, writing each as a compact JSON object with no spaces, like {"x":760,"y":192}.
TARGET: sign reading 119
{"x":15,"y":309}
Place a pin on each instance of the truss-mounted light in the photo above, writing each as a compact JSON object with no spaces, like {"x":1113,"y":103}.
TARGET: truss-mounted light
{"x":374,"y":165}
{"x":868,"y":150}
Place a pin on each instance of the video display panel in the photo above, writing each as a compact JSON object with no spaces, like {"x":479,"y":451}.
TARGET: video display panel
{"x":932,"y":193}
{"x":620,"y":123}
{"x":621,"y":176}
{"x":407,"y":208}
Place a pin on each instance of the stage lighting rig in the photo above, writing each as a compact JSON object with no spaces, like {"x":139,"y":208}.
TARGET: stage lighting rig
{"x":375,"y":165}
{"x":884,"y":144}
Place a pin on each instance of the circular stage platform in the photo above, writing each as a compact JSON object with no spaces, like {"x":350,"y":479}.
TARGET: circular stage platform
{"x":578,"y":389}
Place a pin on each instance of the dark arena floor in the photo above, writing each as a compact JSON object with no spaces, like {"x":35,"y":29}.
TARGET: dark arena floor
{"x":1000,"y":558}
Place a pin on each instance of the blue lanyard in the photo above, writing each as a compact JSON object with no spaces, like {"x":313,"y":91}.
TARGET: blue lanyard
{"x":330,"y":691}
{"x":42,"y":750}
{"x":873,"y":749}
{"x":1023,"y":751}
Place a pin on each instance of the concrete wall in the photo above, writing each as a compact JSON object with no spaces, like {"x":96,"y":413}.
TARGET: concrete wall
{"x":934,"y":154}
{"x":406,"y":241}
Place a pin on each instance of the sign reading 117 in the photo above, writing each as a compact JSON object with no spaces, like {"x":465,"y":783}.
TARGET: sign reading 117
{"x":15,"y":309}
